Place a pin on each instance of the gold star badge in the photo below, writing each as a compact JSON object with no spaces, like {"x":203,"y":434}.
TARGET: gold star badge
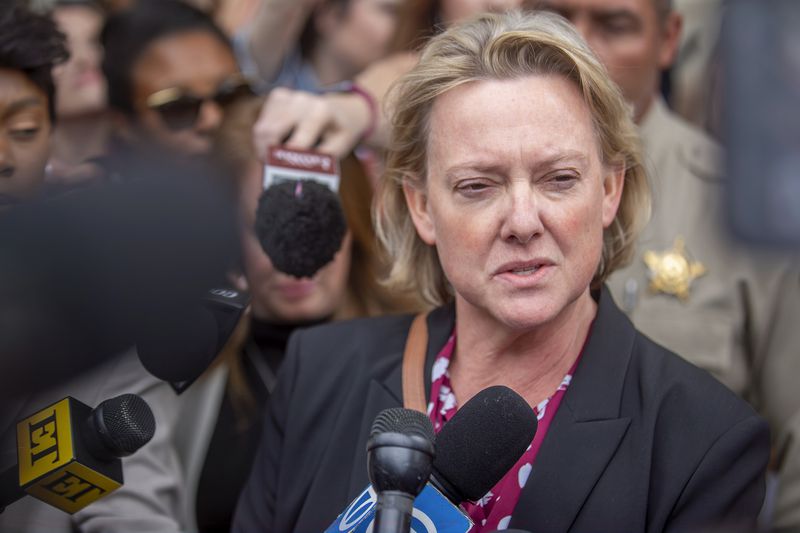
{"x":672,"y":271}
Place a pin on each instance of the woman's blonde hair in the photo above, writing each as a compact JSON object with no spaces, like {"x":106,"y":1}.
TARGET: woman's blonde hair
{"x":498,"y":47}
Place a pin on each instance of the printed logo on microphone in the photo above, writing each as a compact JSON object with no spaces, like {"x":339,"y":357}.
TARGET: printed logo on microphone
{"x":44,"y":442}
{"x":284,"y":164}
{"x":433,"y":513}
{"x":224,"y":293}
{"x":51,"y":465}
{"x":73,"y":487}
{"x":357,"y":511}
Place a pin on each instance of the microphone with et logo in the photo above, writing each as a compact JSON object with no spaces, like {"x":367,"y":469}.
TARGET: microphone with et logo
{"x":68,"y":454}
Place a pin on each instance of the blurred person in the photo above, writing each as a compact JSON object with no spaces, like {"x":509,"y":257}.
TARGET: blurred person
{"x":336,"y":122}
{"x":30,"y":46}
{"x":171,"y":72}
{"x":695,"y":76}
{"x":727,"y":308}
{"x":514,"y":188}
{"x":219,"y":427}
{"x":83,"y":123}
{"x":313,"y":44}
{"x":233,"y":15}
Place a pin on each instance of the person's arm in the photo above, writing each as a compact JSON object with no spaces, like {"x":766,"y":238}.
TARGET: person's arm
{"x":333,"y":122}
{"x":727,"y":486}
{"x":275,"y":31}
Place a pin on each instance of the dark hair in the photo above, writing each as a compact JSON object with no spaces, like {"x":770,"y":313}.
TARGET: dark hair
{"x":128,"y":33}
{"x":32,"y":44}
{"x":91,"y":4}
{"x":419,"y":21}
{"x":309,"y":37}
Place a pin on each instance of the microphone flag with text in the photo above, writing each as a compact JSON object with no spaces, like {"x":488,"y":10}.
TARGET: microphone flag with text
{"x":474,"y":450}
{"x":68,"y":454}
{"x":299,"y":221}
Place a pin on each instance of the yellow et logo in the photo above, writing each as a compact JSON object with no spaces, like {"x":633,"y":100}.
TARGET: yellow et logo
{"x":72,"y":488}
{"x":44,"y":442}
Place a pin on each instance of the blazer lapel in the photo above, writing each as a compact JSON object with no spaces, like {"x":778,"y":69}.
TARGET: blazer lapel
{"x":377,"y":399}
{"x":586,"y":430}
{"x":387,"y":393}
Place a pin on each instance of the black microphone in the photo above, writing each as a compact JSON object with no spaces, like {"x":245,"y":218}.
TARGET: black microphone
{"x":300,"y":225}
{"x":400,"y":452}
{"x":484,"y":439}
{"x":177,"y":345}
{"x":68,"y":454}
{"x":474,"y":450}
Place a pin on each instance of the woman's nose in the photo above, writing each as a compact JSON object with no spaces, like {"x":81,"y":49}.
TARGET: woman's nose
{"x":210,"y":118}
{"x":523,"y":217}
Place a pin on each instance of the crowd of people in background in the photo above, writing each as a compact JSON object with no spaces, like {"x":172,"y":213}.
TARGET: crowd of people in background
{"x":89,"y":89}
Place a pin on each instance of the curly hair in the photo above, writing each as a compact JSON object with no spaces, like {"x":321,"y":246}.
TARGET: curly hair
{"x":32,"y":44}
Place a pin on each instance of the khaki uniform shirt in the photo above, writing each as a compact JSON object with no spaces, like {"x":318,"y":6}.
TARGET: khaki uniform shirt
{"x":740,"y":318}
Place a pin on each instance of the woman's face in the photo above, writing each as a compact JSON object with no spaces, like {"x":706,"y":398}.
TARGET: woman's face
{"x":276,"y":296}
{"x":196,"y":64}
{"x":457,"y":10}
{"x":24,"y":137}
{"x":81,"y":87}
{"x":516,"y":197}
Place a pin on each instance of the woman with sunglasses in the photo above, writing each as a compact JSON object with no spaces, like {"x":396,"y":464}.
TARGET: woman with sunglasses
{"x":171,"y":72}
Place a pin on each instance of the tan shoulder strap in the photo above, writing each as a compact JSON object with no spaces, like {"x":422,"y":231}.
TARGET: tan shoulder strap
{"x":414,"y":365}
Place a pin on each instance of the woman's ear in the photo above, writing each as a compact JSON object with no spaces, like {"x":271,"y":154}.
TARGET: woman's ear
{"x":613,"y":184}
{"x":417,"y":202}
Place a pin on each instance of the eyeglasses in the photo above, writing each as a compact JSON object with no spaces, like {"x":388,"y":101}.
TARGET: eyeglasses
{"x":179,"y":109}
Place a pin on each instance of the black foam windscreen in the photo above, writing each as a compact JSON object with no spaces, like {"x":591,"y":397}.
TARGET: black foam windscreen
{"x":179,"y":345}
{"x":300,"y":225}
{"x":484,"y":439}
{"x":124,"y":423}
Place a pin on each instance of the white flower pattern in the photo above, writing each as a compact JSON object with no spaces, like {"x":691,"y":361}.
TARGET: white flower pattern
{"x":492,"y":511}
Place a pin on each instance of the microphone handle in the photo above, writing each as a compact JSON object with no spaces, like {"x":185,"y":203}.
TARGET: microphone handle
{"x":10,"y":490}
{"x":393,"y":512}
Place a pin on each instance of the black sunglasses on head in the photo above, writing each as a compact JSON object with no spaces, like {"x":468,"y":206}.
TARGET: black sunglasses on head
{"x":179,"y":109}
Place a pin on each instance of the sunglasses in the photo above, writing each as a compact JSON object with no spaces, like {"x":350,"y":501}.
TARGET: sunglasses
{"x":179,"y":109}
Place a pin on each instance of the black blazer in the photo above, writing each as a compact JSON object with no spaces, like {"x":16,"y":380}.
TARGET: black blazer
{"x":642,"y":441}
